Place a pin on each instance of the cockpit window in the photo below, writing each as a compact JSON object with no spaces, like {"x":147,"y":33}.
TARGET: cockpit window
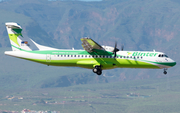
{"x":166,"y":56}
{"x":162,"y":55}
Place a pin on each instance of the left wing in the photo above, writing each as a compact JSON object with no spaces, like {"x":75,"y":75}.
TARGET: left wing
{"x":90,"y":45}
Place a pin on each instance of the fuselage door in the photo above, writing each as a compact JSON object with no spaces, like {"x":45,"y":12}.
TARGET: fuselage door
{"x":48,"y":58}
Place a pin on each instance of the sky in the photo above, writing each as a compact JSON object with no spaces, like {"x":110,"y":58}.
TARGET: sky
{"x":79,"y":0}
{"x":90,"y":0}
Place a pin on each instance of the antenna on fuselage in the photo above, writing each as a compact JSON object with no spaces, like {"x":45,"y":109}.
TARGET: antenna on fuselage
{"x":122,"y":47}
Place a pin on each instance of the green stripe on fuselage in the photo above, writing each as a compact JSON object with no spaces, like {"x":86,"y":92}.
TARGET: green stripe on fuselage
{"x":67,"y":52}
{"x":167,"y":63}
{"x":106,"y":63}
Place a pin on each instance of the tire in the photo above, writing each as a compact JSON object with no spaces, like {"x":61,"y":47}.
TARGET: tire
{"x":95,"y":70}
{"x":165,"y":72}
{"x":99,"y":72}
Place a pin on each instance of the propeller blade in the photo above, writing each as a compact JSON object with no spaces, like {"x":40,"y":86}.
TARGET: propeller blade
{"x":115,"y":44}
{"x":115,"y":50}
{"x":122,"y":47}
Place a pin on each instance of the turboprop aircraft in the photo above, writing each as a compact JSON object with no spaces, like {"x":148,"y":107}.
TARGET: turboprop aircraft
{"x":94,"y":56}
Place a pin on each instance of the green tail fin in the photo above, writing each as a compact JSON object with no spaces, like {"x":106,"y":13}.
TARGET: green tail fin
{"x":18,"y":42}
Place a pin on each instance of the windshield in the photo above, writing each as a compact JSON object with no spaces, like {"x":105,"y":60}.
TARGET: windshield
{"x":162,"y":55}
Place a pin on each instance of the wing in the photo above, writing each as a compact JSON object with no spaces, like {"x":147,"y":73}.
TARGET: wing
{"x":90,"y":45}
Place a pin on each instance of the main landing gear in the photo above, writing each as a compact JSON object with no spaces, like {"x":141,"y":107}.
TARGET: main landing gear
{"x":165,"y":71}
{"x":97,"y":70}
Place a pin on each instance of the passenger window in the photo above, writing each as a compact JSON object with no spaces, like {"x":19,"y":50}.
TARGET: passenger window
{"x":138,"y":57}
{"x":120,"y":56}
{"x":127,"y":56}
{"x":124,"y":56}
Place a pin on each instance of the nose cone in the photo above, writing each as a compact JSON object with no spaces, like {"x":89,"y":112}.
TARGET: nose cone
{"x":173,"y":63}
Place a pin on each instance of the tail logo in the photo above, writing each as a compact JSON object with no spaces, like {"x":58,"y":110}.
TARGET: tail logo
{"x":24,"y":43}
{"x":13,"y":37}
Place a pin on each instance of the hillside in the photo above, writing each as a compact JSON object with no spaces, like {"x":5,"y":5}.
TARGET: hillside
{"x":139,"y":25}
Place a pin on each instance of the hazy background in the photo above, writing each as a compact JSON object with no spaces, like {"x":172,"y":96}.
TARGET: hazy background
{"x":137,"y":24}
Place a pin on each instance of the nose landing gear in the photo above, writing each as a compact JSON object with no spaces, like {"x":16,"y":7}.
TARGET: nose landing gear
{"x":165,"y":71}
{"x":97,"y":70}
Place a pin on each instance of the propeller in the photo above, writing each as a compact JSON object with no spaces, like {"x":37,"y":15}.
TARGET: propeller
{"x":115,"y":50}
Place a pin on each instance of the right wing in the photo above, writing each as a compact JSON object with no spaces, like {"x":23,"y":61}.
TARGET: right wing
{"x":90,"y":45}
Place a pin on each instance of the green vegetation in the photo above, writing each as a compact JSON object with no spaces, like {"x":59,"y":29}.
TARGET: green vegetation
{"x":163,"y":97}
{"x":39,"y":89}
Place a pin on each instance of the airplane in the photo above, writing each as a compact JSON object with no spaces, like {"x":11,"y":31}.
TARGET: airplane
{"x":94,"y":56}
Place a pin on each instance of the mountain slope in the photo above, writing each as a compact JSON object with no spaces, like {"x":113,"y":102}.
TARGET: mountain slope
{"x":139,"y":25}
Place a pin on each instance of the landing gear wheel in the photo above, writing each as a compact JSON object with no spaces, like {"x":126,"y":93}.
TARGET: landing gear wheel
{"x":165,"y":72}
{"x":97,"y":70}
